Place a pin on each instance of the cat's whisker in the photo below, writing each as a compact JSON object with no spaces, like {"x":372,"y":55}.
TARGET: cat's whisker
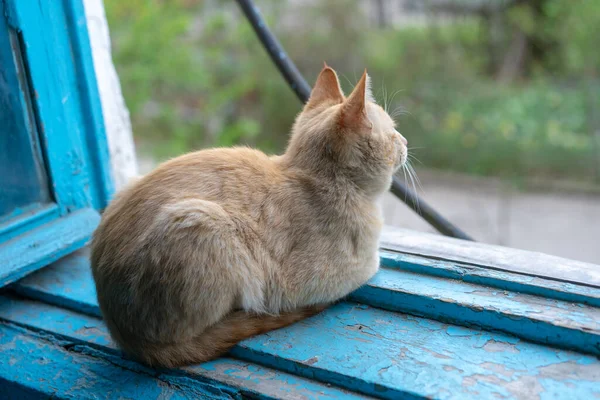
{"x":410,"y":166}
{"x":347,"y":80}
{"x":400,"y":110}
{"x":416,"y":182}
{"x":412,"y":157}
{"x":405,"y":179}
{"x":410,"y":174}
{"x":412,"y":183}
{"x":390,"y":101}
{"x":401,"y":107}
{"x":394,"y":95}
{"x":385,"y":100}
{"x":395,"y":115}
{"x":408,"y":179}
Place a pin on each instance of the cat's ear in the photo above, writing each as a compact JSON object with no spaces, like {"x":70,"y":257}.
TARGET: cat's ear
{"x":354,"y":110}
{"x":327,"y":88}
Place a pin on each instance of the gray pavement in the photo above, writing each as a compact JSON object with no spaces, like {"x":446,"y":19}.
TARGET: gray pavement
{"x":557,"y":222}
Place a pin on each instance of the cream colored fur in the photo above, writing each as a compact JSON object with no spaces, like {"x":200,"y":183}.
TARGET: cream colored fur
{"x":221,"y":244}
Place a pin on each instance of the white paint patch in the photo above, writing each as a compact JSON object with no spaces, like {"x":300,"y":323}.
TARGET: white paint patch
{"x":116,"y":116}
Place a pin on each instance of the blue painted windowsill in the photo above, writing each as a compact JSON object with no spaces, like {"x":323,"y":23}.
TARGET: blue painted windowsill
{"x":421,"y":328}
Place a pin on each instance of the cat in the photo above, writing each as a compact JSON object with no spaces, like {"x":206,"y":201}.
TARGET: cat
{"x":219,"y":245}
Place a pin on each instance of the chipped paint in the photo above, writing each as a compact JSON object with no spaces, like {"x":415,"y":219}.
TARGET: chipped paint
{"x":88,"y":335}
{"x":381,"y":352}
{"x":498,"y":258}
{"x":68,"y":283}
{"x":71,"y":133}
{"x":44,"y":245}
{"x":503,"y":280}
{"x":409,"y":356}
{"x":540,"y":319}
{"x":73,"y":137}
{"x":45,"y":367}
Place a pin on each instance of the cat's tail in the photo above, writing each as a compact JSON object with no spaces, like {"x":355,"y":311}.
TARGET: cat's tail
{"x":221,"y":337}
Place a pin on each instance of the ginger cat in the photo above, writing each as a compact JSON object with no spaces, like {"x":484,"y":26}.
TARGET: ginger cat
{"x":219,"y":245}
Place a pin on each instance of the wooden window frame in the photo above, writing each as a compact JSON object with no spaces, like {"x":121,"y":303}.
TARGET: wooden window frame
{"x":52,"y":41}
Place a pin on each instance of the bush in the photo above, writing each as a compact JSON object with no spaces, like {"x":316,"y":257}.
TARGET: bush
{"x":538,"y":130}
{"x":194,"y":75}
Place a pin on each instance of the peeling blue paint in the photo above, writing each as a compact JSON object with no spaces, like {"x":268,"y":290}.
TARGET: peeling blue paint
{"x":379,"y":353}
{"x":88,"y":335}
{"x":57,"y":346}
{"x":45,"y":244}
{"x":539,"y":319}
{"x":574,"y":326}
{"x":39,"y":368}
{"x":390,"y":355}
{"x":67,"y":283}
{"x":514,"y":282}
{"x":71,"y":133}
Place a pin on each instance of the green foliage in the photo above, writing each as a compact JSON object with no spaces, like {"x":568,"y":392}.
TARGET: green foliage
{"x":504,"y":131}
{"x":416,"y":55}
{"x":194,"y":75}
{"x":190,"y":73}
{"x":574,"y":27}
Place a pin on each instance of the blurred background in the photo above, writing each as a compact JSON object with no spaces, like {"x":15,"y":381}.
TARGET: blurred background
{"x":500,"y":100}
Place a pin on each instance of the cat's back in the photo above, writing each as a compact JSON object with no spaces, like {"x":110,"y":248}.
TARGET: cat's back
{"x":220,"y":175}
{"x":234,"y":178}
{"x":208,"y":171}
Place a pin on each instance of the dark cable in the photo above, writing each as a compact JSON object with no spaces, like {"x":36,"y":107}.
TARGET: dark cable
{"x":427,"y":212}
{"x":287,"y":68}
{"x":302,"y":89}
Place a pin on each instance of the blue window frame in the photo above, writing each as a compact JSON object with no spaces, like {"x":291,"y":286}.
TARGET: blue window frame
{"x":53,"y":153}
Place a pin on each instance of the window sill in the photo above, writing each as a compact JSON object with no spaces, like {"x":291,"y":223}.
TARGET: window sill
{"x":430,"y":324}
{"x":502,"y":259}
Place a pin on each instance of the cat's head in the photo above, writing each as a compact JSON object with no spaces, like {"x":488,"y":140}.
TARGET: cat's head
{"x":353,"y":136}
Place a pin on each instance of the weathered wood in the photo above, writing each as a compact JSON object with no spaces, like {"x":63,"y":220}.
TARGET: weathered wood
{"x":539,"y":319}
{"x":46,"y":56}
{"x":88,"y":335}
{"x":66,"y":99}
{"x":503,"y":280}
{"x":384,"y":354}
{"x":376,"y":352}
{"x":391,"y":354}
{"x":569,"y":325}
{"x":53,"y":342}
{"x":35,"y":217}
{"x":489,"y":256}
{"x":39,"y":366}
{"x":67,"y":283}
{"x":43,"y":245}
